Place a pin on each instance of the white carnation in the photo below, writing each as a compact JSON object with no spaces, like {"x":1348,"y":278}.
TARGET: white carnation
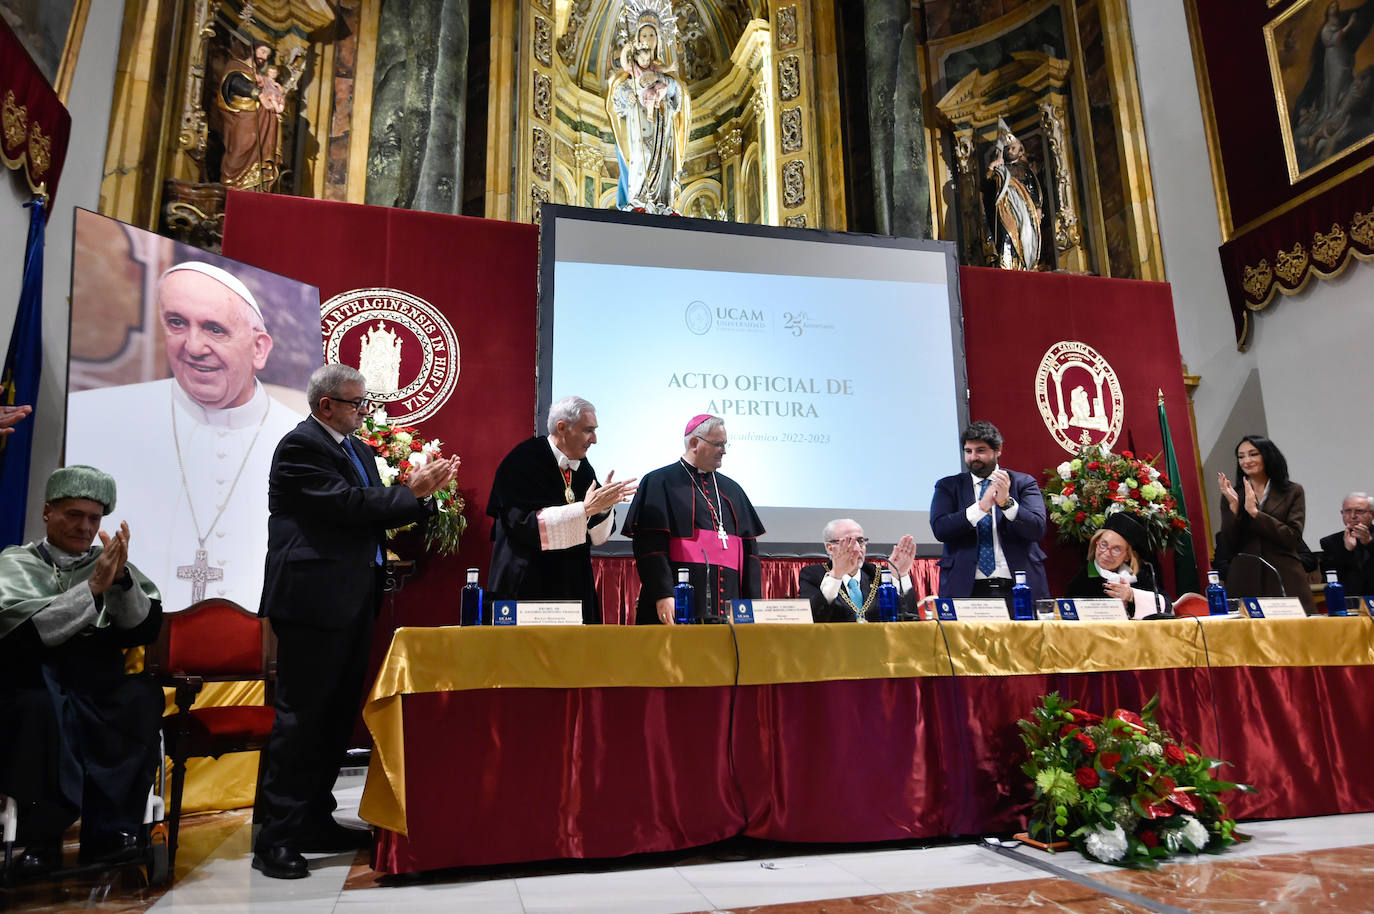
{"x":1107,"y":845}
{"x":1123,"y":489}
{"x":385,"y":471}
{"x":1194,"y":833}
{"x":1065,"y":471}
{"x":432,"y":446}
{"x":418,"y":459}
{"x":1152,"y":749}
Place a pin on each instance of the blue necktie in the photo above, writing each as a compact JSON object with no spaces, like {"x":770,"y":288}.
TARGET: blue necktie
{"x":987,"y":559}
{"x":362,"y":476}
{"x":856,"y":595}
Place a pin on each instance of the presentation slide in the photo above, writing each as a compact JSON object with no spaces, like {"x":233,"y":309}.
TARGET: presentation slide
{"x":836,"y":361}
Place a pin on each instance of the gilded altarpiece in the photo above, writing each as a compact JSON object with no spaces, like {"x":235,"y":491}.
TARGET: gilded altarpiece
{"x":759,"y":149}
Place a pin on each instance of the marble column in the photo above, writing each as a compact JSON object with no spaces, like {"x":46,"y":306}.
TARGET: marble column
{"x":415,"y":152}
{"x":901,"y":188}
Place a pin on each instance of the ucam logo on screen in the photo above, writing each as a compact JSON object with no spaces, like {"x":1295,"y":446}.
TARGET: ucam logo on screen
{"x":702,"y":318}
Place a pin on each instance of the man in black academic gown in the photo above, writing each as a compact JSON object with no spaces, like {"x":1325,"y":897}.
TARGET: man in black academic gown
{"x":846,"y":583}
{"x":549,"y":510}
{"x":687,"y":515}
{"x":81,"y":737}
{"x":1350,"y":551}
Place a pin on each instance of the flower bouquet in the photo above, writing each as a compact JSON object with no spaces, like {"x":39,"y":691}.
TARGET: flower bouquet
{"x":1120,"y":789}
{"x":400,"y":449}
{"x":1081,"y":493}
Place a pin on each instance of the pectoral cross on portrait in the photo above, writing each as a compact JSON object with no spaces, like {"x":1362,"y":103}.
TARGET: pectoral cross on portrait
{"x":199,"y":573}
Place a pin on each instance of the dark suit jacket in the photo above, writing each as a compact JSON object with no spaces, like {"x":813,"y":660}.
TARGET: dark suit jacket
{"x":324,"y":529}
{"x":837,"y":610}
{"x":1275,"y":534}
{"x":1020,"y":539}
{"x":1354,"y":568}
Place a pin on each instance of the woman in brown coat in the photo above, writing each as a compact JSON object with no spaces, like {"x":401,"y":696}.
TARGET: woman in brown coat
{"x":1262,"y":514}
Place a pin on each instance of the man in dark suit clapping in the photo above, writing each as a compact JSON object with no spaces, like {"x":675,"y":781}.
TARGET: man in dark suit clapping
{"x":328,"y":517}
{"x":990,"y":521}
{"x":846,"y":585}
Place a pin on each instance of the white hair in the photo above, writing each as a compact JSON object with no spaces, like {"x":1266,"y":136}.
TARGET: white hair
{"x":828,"y":532}
{"x":703,"y":429}
{"x":569,"y":410}
{"x":1369,"y":502}
{"x":328,"y":380}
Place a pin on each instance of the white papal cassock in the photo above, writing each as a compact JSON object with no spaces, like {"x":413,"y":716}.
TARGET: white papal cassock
{"x":203,"y":488}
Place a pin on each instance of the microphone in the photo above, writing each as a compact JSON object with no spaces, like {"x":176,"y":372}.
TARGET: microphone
{"x":1265,"y":563}
{"x":714,"y":614}
{"x":1154,"y":589}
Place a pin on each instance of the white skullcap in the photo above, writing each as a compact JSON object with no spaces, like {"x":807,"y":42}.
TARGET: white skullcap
{"x":221,"y":276}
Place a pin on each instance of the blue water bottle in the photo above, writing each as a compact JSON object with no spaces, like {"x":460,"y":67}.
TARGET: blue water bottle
{"x":1216,"y":595}
{"x":888,"y":598}
{"x":684,"y":600}
{"x":1335,"y":596}
{"x":1022,"y":603}
{"x":472,"y":600}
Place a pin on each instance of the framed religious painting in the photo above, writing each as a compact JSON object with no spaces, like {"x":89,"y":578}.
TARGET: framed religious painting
{"x":50,"y":31}
{"x":1321,"y":61}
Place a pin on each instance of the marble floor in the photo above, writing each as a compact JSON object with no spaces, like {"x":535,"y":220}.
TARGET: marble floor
{"x":1297,"y":865}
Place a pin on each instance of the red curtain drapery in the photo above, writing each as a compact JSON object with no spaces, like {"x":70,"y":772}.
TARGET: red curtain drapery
{"x":639,"y":770}
{"x":36,"y":125}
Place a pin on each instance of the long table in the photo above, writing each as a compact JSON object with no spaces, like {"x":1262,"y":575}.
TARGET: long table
{"x":519,"y":744}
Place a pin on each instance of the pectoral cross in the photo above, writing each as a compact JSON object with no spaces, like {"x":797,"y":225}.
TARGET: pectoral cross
{"x":199,"y":573}
{"x":724,"y":537}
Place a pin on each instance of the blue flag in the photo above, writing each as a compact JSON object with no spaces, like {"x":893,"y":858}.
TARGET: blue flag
{"x":19,"y":383}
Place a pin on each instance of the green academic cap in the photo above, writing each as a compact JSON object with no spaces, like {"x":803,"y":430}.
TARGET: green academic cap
{"x":80,"y":481}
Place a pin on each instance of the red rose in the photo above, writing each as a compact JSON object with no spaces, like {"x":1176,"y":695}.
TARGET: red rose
{"x":416,"y":446}
{"x":1086,"y":777}
{"x":1174,"y":755}
{"x":404,"y":465}
{"x":1067,"y":730}
{"x":1128,"y":455}
{"x":1149,"y":839}
{"x":1109,"y":761}
{"x":1086,"y":717}
{"x":1094,"y":465}
{"x":1179,"y":523}
{"x":1087,"y":741}
{"x":1079,"y":517}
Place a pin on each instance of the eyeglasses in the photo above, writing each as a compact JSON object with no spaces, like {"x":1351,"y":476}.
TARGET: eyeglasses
{"x":718,"y":445}
{"x":362,"y":404}
{"x":1111,"y":550}
{"x":1345,"y":511}
{"x":861,"y":540}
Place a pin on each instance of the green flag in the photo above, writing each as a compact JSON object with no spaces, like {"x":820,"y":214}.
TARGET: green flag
{"x":1185,"y":561}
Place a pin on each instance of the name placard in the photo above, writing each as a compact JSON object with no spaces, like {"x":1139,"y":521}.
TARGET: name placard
{"x":1091,"y":609}
{"x":1366,"y":606}
{"x":537,"y":612}
{"x":976,"y":609}
{"x":1273,"y":608}
{"x":784,"y":612}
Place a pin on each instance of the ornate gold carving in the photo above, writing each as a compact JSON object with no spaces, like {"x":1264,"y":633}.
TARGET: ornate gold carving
{"x":793,"y":184}
{"x":192,"y":134}
{"x":590,"y":157}
{"x":791,"y":130}
{"x":538,"y":197}
{"x":727,"y":146}
{"x":1362,"y":228}
{"x":698,"y":54}
{"x":1290,"y":265}
{"x":40,"y":151}
{"x":1328,"y":249}
{"x":797,"y":221}
{"x":787,"y":27}
{"x":789,"y":77}
{"x":16,"y":120}
{"x":976,"y":243}
{"x":1067,"y":232}
{"x":542,"y":154}
{"x":544,"y":5}
{"x":543,"y":97}
{"x":567,"y":42}
{"x":1258,"y":280}
{"x":543,"y":41}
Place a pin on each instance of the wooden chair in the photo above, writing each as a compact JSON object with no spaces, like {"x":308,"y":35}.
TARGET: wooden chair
{"x":214,"y":640}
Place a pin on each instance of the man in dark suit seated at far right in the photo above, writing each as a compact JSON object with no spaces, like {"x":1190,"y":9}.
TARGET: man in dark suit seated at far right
{"x":1350,"y":552}
{"x":846,"y":585}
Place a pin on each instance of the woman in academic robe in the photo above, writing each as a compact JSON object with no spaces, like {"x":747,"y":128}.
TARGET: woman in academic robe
{"x":1262,"y":516}
{"x":1118,"y":567}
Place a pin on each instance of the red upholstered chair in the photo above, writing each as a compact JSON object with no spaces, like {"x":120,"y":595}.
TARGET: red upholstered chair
{"x":1191,"y":604}
{"x":212,"y":641}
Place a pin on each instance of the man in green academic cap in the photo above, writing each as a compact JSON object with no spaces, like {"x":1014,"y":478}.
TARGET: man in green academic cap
{"x":82,"y":735}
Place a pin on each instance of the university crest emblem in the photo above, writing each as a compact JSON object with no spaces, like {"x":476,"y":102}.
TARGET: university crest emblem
{"x":1079,"y":396}
{"x":405,"y":348}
